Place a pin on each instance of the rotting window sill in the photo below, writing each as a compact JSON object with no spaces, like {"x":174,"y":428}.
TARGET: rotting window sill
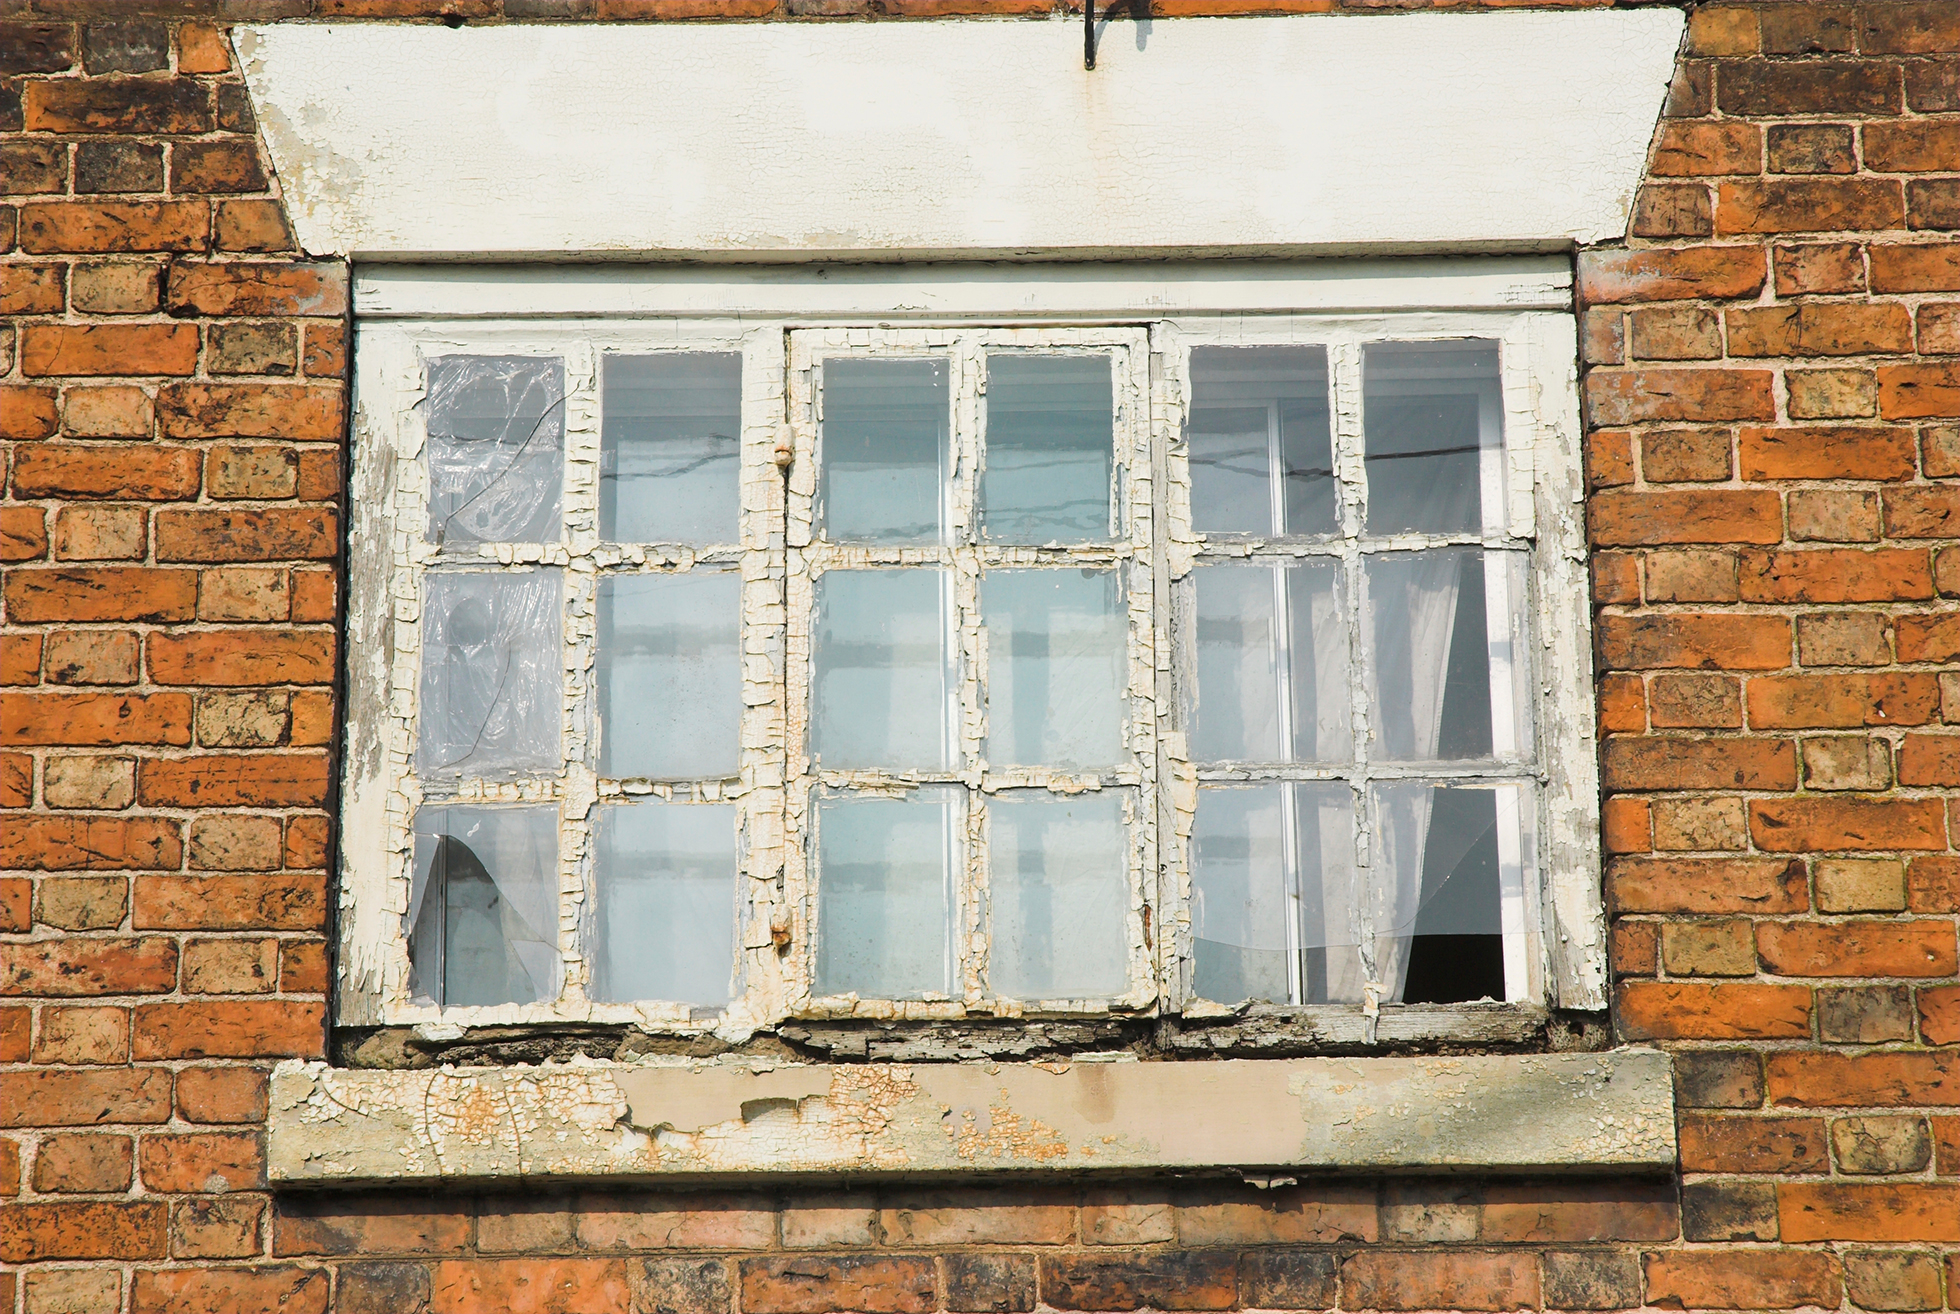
{"x":683,"y":1121}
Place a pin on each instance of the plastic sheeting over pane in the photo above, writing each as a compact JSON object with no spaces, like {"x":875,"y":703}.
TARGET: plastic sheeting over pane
{"x":883,"y":688}
{"x":669,"y":674}
{"x":492,"y":675}
{"x":1273,"y":887}
{"x":1272,"y":646}
{"x":1261,"y":446}
{"x":1056,"y":667}
{"x":1060,"y":895}
{"x":483,"y":906}
{"x":1050,"y":448}
{"x":496,"y":448}
{"x":670,"y":439}
{"x":886,"y":470}
{"x":1432,"y":425}
{"x":666,"y":880}
{"x":885,"y":893}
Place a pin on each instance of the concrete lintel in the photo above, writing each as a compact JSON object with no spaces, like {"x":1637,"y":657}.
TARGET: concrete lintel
{"x":707,"y":1121}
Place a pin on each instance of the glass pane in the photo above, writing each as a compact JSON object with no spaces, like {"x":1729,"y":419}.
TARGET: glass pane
{"x":1272,"y":664}
{"x":492,"y":675}
{"x":1050,"y":439}
{"x":666,"y":879}
{"x":1438,"y":665}
{"x":496,"y":448}
{"x":1450,"y":859}
{"x":885,"y":893}
{"x":887,"y":467}
{"x":1056,"y":667}
{"x":1060,"y":896}
{"x":671,"y":438}
{"x":1432,"y":422}
{"x":669,"y":672}
{"x":1267,"y":860}
{"x":883,"y":690}
{"x":483,"y":906}
{"x":1262,"y":451}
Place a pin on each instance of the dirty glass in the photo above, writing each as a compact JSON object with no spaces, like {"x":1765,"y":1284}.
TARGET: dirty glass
{"x":885,"y":893}
{"x":669,"y":675}
{"x":1272,"y":644}
{"x":496,"y":448}
{"x":666,"y":878}
{"x":483,"y":906}
{"x":887,"y":463}
{"x":670,"y":448}
{"x":492,"y":675}
{"x":1050,"y":445}
{"x":1430,"y":410}
{"x":1443,"y":684}
{"x":1056,"y":667}
{"x":883,"y":688}
{"x":1261,"y":447}
{"x":1272,"y":880}
{"x":1060,"y":895}
{"x":1438,"y":896}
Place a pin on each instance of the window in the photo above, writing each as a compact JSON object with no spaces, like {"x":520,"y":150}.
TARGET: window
{"x":1021,"y":658}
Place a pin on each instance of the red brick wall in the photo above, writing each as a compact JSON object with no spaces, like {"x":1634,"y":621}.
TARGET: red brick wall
{"x":1774,"y":399}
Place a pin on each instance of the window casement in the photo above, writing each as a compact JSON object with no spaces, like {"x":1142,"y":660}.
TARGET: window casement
{"x":1012,"y":649}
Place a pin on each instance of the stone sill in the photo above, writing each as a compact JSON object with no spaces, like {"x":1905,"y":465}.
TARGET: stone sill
{"x":684,"y":1122}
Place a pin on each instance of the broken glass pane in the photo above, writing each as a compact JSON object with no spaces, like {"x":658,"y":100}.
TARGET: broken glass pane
{"x":496,"y":448}
{"x":1262,"y":453}
{"x":1272,"y":882}
{"x":883,"y":689}
{"x":1060,"y":896}
{"x":483,"y":906}
{"x":1056,"y":664}
{"x":671,"y":438}
{"x":492,"y":675}
{"x":1432,"y":423}
{"x":1272,"y":664}
{"x":1446,"y":858}
{"x":666,"y":879}
{"x":669,"y":672}
{"x":886,"y":870}
{"x":887,"y":463}
{"x":1050,"y":445}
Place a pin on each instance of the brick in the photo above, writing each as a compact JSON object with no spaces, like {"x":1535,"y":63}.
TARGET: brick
{"x":252,"y":348}
{"x":1818,"y":329}
{"x":230,"y":967}
{"x":1743,"y":1279}
{"x":1914,"y":146}
{"x":702,"y":1286}
{"x":74,"y":1291}
{"x":243,"y":595}
{"x":1808,"y":205}
{"x":306,"y":841}
{"x":1827,"y":575}
{"x":1823,"y":701}
{"x":1603,"y":340}
{"x":101,"y":533}
{"x":1715,"y":641}
{"x":1692,"y":273}
{"x":1916,"y":267}
{"x":1616,"y":578}
{"x":85,"y":1034}
{"x":173,"y":105}
{"x":1840,"y":86}
{"x":20,"y":661}
{"x":1811,"y":148}
{"x":1843,"y":638}
{"x":817,"y":1284}
{"x":203,"y":1162}
{"x":82,"y":903}
{"x":23,"y":533}
{"x":1431,"y":1211}
{"x":1695,"y":395}
{"x":108,"y":349}
{"x":132,"y":47}
{"x":1708,"y":949}
{"x":92,"y":657}
{"x":1847,"y":762}
{"x":238,"y":287}
{"x":31,"y":289}
{"x":1323,"y":1214}
{"x":78,"y":1164}
{"x":1422,"y":1280}
{"x":324,"y":354}
{"x":525,"y":1224}
{"x":118,"y":166}
{"x":261,"y":718}
{"x":16,"y":791}
{"x":1704,"y":886}
{"x":1892,"y":1281}
{"x":1679,"y":211}
{"x":126,"y":1230}
{"x":1846,"y":885}
{"x":1939,"y":334}
{"x":1728,"y":1211}
{"x":110,"y":593}
{"x":1805,"y":825}
{"x":230,"y":903}
{"x":295,"y":412}
{"x":1684,"y":1010}
{"x":250,"y":226}
{"x":202,"y":49}
{"x":242,"y":657}
{"x":221,"y":1095}
{"x":1827,"y":1079}
{"x":314,"y":596}
{"x":1852,"y":948}
{"x":37,"y":48}
{"x":641,"y":1222}
{"x":1622,"y":705}
{"x":1685,"y":516}
{"x":1939,"y":1015}
{"x":94,"y":720}
{"x":1821,"y":268}
{"x":27,"y":412}
{"x":268,"y":780}
{"x":302,"y":967}
{"x":129,"y":473}
{"x":229,"y":1029}
{"x":252,"y":472}
{"x":1910,"y":27}
{"x":1571,"y":1211}
{"x":1862,"y":1211}
{"x":89,"y":843}
{"x":216,"y":166}
{"x":977,"y":1218}
{"x":276,"y":534}
{"x":287,"y":1290}
{"x":1643,"y":763}
{"x":82,"y":1099}
{"x":1753,"y":1145}
{"x":1922,"y":512}
{"x":1874,"y":1145}
{"x":1831,"y":394}
{"x":1832,"y":452}
{"x":1718,"y":1079}
{"x":226,"y":1227}
{"x":1691,"y":576}
{"x":107,"y":411}
{"x":1919,"y":391}
{"x":384,"y":1289}
{"x":1166,"y":1280}
{"x":1591,"y":1279}
{"x":1864,"y":1015}
{"x":1930,"y":760}
{"x":70,"y":967}
{"x":1685,"y":455}
{"x":1933,"y":885}
{"x":528,"y":1286}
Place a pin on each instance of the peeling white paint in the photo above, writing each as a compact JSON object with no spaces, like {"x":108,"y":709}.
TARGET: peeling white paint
{"x":1331,"y":132}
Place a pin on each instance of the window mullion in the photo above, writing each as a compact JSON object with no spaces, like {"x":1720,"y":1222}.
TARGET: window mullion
{"x":971,"y":906}
{"x":1347,"y":416}
{"x":578,"y":637}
